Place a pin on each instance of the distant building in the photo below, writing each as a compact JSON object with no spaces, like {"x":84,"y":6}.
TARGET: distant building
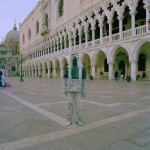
{"x":108,"y":35}
{"x":9,"y":52}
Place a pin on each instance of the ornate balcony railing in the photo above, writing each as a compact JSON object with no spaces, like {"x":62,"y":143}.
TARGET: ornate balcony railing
{"x":127,"y":34}
{"x":140,"y":30}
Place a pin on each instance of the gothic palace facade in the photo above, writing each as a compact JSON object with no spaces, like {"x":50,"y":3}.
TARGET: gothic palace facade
{"x":107,"y":35}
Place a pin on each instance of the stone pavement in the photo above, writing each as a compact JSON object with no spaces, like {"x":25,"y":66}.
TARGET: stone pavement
{"x":33,"y":116}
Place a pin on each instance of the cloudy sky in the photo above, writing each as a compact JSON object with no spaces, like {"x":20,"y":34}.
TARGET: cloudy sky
{"x":12,"y":11}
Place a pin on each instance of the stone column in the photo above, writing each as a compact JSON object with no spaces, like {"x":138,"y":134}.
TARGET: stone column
{"x":61,"y":43}
{"x":54,"y":72}
{"x":120,"y":26}
{"x":147,"y":18}
{"x":93,"y":34}
{"x":35,"y":72}
{"x":111,"y":76}
{"x":79,"y":33}
{"x":32,"y":73}
{"x":86,"y":34}
{"x":39,"y":71}
{"x":80,"y":70}
{"x":29,"y":73}
{"x":44,"y":72}
{"x":69,"y":68}
{"x":57,"y":45}
{"x":133,"y":23}
{"x":93,"y":71}
{"x":48,"y":72}
{"x":70,"y":41}
{"x":101,"y":33}
{"x":133,"y":69}
{"x":61,"y":72}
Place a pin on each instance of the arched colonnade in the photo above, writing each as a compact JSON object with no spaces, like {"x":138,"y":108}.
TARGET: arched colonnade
{"x":108,"y":59}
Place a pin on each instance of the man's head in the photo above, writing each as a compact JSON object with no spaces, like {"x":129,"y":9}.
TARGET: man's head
{"x":74,"y":61}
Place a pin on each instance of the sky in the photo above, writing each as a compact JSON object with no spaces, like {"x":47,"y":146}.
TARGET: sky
{"x":14,"y":11}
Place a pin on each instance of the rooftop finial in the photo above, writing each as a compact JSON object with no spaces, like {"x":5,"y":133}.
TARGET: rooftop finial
{"x":14,"y":28}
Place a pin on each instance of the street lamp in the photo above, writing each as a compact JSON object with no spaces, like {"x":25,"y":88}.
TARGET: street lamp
{"x":21,"y":76}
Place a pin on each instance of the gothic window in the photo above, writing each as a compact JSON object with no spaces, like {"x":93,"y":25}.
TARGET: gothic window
{"x":37,"y":27}
{"x":29,"y":34}
{"x":46,"y":20}
{"x":105,"y":27}
{"x":140,"y":15}
{"x":97,"y":30}
{"x":115,"y":23}
{"x":77,"y":37}
{"x":82,"y":35}
{"x":141,"y":62}
{"x":60,"y":8}
{"x":89,"y":33}
{"x":126,"y":19}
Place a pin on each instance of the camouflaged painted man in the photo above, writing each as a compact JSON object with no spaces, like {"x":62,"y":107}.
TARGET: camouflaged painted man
{"x":74,"y":88}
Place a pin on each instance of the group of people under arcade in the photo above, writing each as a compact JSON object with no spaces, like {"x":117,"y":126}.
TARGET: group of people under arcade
{"x":121,"y":75}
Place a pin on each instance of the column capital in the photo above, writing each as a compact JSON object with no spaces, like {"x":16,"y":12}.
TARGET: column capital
{"x":133,"y":61}
{"x":120,"y":17}
{"x":133,"y":13}
{"x":86,"y":25}
{"x":110,"y":60}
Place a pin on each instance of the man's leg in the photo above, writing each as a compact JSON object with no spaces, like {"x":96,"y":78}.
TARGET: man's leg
{"x":78,"y":108}
{"x":70,"y":97}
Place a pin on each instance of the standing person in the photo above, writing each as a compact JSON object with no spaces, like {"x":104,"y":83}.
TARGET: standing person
{"x":116,"y":75}
{"x":101,"y":74}
{"x":74,"y":91}
{"x":143,"y":75}
{"x":123,"y":74}
{"x":1,"y":76}
{"x":3,"y":83}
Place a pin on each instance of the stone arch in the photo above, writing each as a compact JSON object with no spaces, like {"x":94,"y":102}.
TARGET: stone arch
{"x":81,"y":57}
{"x":57,"y":63}
{"x":120,"y":57}
{"x":113,"y":52}
{"x":94,"y":58}
{"x":98,"y":61}
{"x":142,"y":56}
{"x":137,"y":48}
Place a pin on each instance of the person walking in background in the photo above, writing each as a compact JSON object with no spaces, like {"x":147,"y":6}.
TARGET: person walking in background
{"x":116,"y":75}
{"x":123,"y":74}
{"x":144,"y":75}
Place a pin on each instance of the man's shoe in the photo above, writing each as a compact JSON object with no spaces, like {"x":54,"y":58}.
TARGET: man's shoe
{"x":68,"y":123}
{"x":80,"y":123}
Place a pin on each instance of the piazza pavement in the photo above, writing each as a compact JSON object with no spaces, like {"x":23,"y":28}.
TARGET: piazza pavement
{"x":33,"y":116}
